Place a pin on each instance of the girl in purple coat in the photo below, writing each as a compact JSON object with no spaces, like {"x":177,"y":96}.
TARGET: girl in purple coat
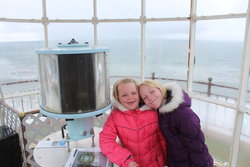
{"x":178,"y":123}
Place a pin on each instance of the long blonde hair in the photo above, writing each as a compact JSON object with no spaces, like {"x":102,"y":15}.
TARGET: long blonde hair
{"x":155,"y":84}
{"x":122,"y":81}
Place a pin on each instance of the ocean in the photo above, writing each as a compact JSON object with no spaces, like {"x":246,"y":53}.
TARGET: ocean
{"x":18,"y":61}
{"x":166,"y":58}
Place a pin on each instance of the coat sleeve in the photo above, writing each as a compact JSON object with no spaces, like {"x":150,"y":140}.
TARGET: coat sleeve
{"x":163,"y":143}
{"x":193,"y":137}
{"x":109,"y":146}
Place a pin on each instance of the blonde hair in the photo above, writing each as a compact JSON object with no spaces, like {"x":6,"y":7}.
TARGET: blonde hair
{"x":154,"y":84}
{"x":122,"y":81}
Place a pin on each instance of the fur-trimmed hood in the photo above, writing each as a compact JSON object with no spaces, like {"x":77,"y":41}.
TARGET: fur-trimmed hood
{"x":120,"y":107}
{"x":173,"y":99}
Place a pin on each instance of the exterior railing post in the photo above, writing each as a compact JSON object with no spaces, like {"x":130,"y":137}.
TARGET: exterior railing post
{"x":1,"y":93}
{"x":209,"y":86}
{"x":1,"y":115}
{"x":153,"y":76}
{"x":1,"y":109}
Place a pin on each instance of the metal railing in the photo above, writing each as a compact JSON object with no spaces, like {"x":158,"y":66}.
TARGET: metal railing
{"x":31,"y":126}
{"x":28,"y":100}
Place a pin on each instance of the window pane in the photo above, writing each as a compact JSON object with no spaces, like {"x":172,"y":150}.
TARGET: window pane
{"x":124,"y":45}
{"x":73,"y":9}
{"x":163,"y":8}
{"x":215,"y":7}
{"x":218,"y":56}
{"x":244,"y":150}
{"x":25,"y":9}
{"x":248,"y":93}
{"x":18,"y":61}
{"x":64,"y":32}
{"x":20,"y":32}
{"x":166,"y":49}
{"x":217,"y":124}
{"x":118,"y":9}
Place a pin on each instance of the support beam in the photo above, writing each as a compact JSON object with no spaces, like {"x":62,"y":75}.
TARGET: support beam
{"x":242,"y":93}
{"x":143,"y":27}
{"x":45,"y":22}
{"x":191,"y":47}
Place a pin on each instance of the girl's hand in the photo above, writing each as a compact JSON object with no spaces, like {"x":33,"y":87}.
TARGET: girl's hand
{"x":132,"y":164}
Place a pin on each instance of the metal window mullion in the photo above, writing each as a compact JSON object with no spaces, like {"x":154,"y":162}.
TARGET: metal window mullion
{"x":192,"y":29}
{"x":222,"y":16}
{"x":242,"y":93}
{"x":95,"y":22}
{"x":143,"y":27}
{"x":45,"y":24}
{"x":212,"y":101}
{"x":209,"y":17}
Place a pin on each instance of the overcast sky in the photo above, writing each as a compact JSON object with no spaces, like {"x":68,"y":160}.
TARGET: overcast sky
{"x":231,"y":29}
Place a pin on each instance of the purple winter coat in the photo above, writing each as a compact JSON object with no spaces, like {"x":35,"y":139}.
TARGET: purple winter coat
{"x":181,"y":129}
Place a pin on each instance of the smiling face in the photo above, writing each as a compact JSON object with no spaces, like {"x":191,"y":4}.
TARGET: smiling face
{"x":128,"y":95}
{"x":152,"y":97}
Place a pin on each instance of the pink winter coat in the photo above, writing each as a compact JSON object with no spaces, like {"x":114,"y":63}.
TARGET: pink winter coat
{"x":140,"y":137}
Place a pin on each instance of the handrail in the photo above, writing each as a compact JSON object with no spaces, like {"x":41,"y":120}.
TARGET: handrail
{"x":120,"y":76}
{"x":153,"y":77}
{"x":28,"y":100}
{"x":13,"y":119}
{"x":10,"y":107}
{"x":19,"y":82}
{"x":209,"y":83}
{"x":31,"y":127}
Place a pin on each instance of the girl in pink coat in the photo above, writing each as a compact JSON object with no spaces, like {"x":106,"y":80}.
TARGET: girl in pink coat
{"x":142,"y":143}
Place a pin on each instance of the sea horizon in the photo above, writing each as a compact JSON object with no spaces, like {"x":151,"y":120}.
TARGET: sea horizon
{"x":218,"y":60}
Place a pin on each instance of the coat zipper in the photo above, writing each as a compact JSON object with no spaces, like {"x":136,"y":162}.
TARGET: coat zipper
{"x":135,"y":118}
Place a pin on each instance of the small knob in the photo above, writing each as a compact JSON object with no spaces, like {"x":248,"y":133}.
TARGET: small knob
{"x":73,"y":41}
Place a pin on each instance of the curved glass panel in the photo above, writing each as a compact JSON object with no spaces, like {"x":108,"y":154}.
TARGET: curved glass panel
{"x":215,"y":7}
{"x":217,"y":124}
{"x":248,"y":93}
{"x":124,"y":44}
{"x":18,"y":9}
{"x":218,"y":56}
{"x":244,"y":149}
{"x":163,"y":8}
{"x":166,"y":49}
{"x":81,"y":32}
{"x":118,"y":9}
{"x":20,"y":32}
{"x":19,"y":62}
{"x":73,"y":9}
